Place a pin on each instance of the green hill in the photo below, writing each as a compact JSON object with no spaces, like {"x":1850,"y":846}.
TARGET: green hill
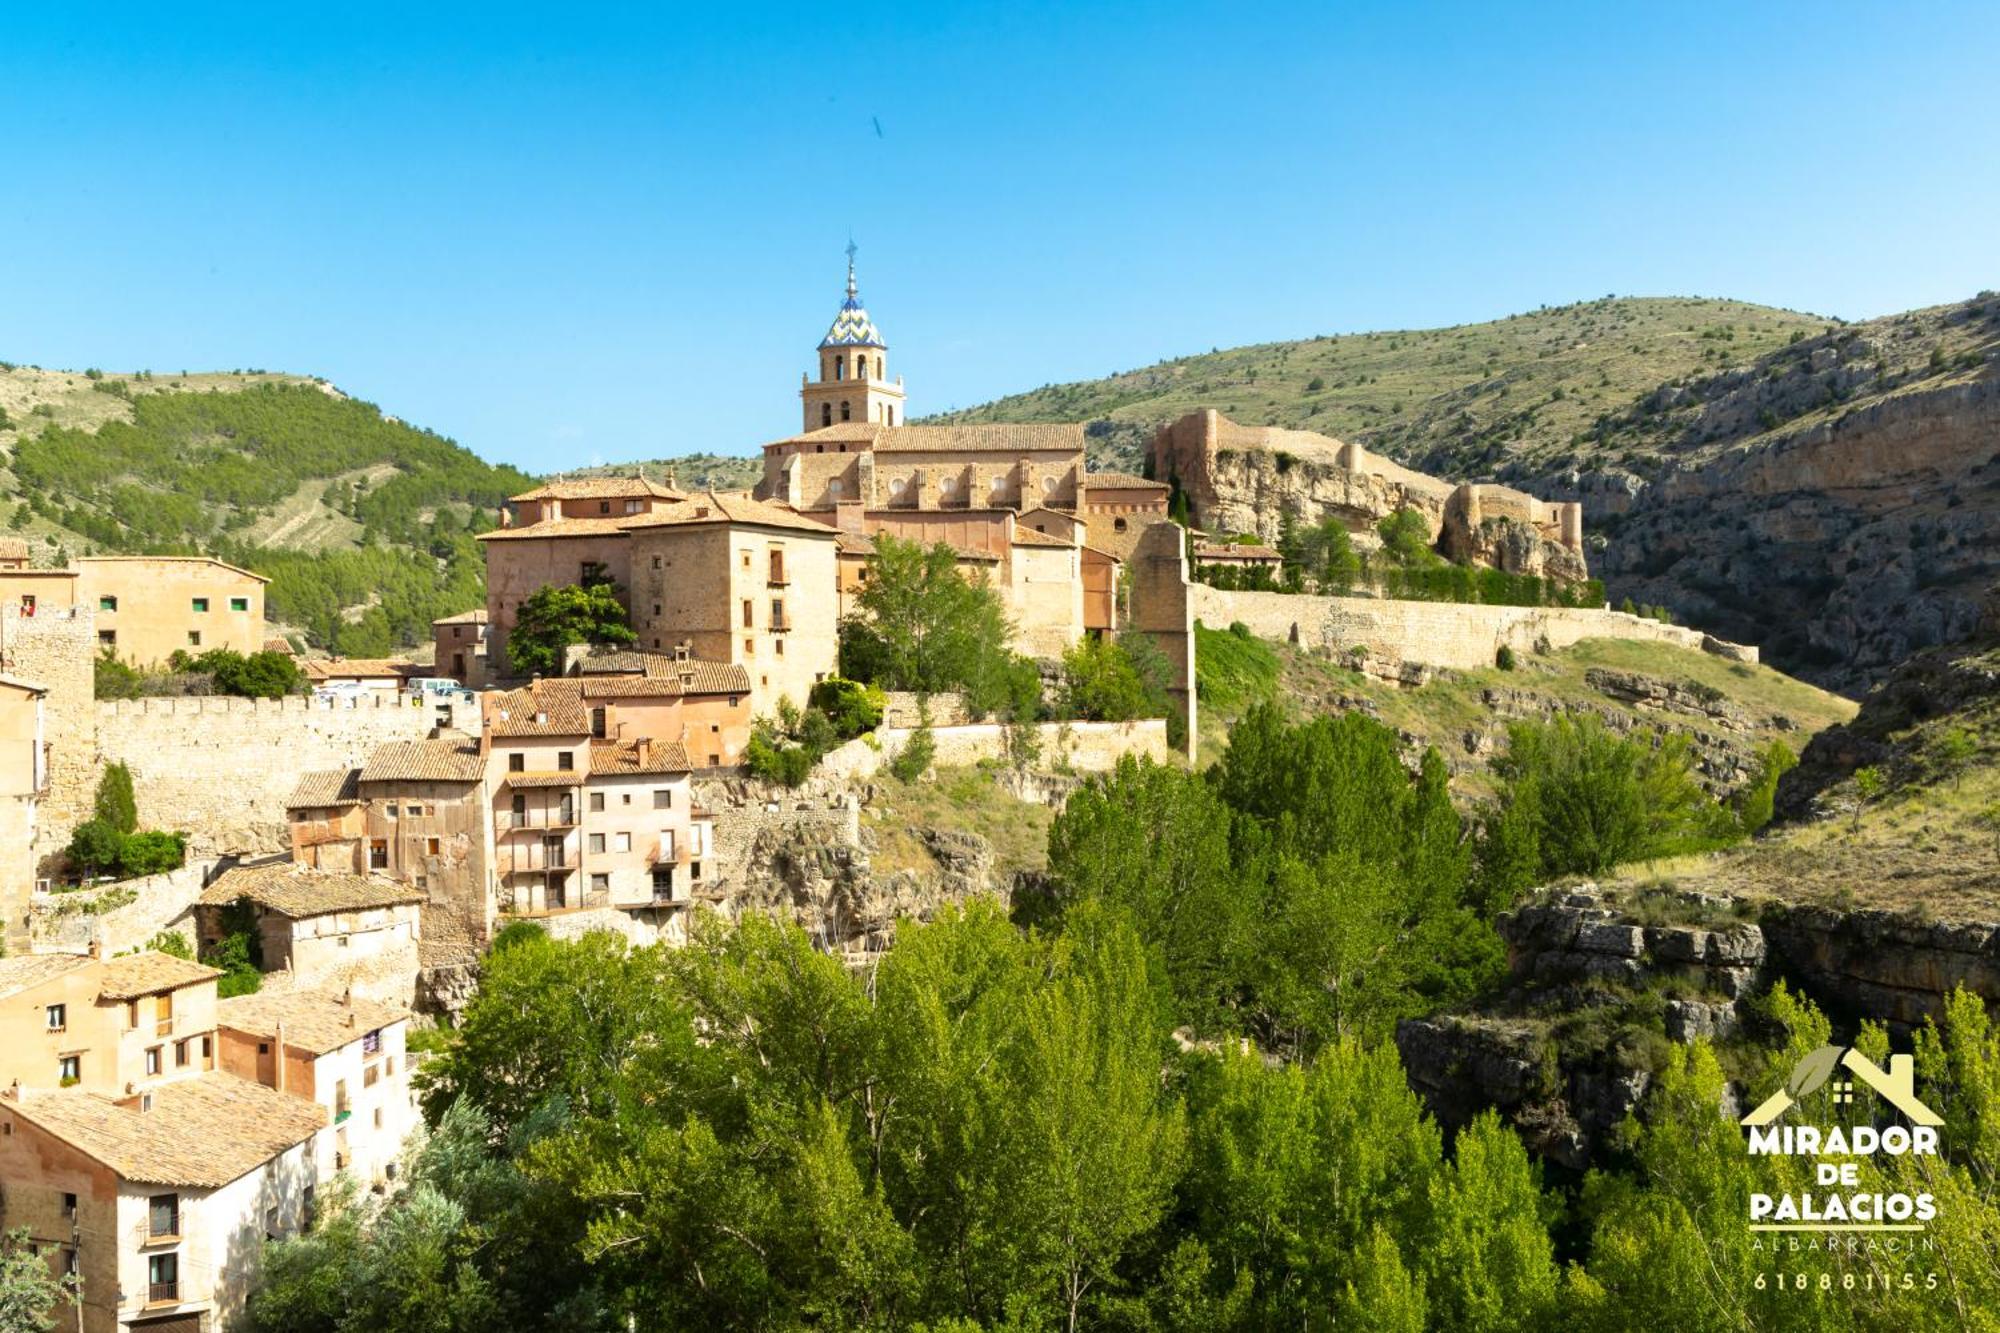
{"x":363,"y":523}
{"x":1474,"y":395}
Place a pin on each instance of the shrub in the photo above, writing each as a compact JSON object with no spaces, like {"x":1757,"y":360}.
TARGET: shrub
{"x":914,"y":759}
{"x":94,"y":847}
{"x":151,"y":853}
{"x":850,"y":706}
{"x":1504,"y":659}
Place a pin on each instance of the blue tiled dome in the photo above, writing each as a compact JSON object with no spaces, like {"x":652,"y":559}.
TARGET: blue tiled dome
{"x":852,"y":327}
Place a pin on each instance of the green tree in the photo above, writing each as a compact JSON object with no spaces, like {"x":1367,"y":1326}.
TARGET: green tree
{"x":1100,"y":683}
{"x":1754,"y":803}
{"x":558,"y":615}
{"x":1406,"y":538}
{"x":1868,"y":785}
{"x":852,"y":707}
{"x":116,"y":806}
{"x":919,"y":624}
{"x":30,"y":1291}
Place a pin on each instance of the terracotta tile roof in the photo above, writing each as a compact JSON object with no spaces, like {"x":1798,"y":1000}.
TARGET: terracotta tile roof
{"x":548,"y":707}
{"x":1029,"y":537}
{"x":13,"y":548}
{"x":176,"y":559}
{"x":662,"y":674}
{"x":314,"y":1020}
{"x":277,"y":644}
{"x":297,"y":891}
{"x":610,"y":760}
{"x":727,"y":507}
{"x":842,"y":432}
{"x":599,"y":488}
{"x":149,"y":973}
{"x":996,"y":437}
{"x":476,"y":616}
{"x":1123,"y":481}
{"x":442,"y":759}
{"x":612,"y":662}
{"x":854,"y":543}
{"x":567,"y":777}
{"x":355,"y":668}
{"x":325,"y":787}
{"x":202,"y":1132}
{"x":32,"y":969}
{"x":562,"y":527}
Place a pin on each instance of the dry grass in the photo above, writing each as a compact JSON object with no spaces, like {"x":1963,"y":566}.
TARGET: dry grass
{"x":955,"y":800}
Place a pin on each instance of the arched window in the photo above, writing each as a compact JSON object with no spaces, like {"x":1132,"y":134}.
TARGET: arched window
{"x":1118,"y":525}
{"x":892,"y":414}
{"x":845,"y":414}
{"x":860,"y":367}
{"x":840,"y":368}
{"x":826,"y":414}
{"x":896,"y":486}
{"x":878,"y":367}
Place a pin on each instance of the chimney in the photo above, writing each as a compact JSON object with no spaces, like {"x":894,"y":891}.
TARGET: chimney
{"x":681,"y":651}
{"x":643,"y":747}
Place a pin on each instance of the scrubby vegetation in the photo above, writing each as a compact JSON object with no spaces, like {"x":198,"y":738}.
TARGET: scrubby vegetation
{"x":110,"y":843}
{"x":558,"y":615}
{"x":265,"y":674}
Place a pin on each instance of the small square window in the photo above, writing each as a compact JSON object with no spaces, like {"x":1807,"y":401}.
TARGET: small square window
{"x":58,"y":1017}
{"x":625,"y":798}
{"x":69,"y":1068}
{"x":431,"y":846}
{"x":107,"y":603}
{"x":596,"y":842}
{"x":194,"y":638}
{"x":600,"y":883}
{"x":663,"y":798}
{"x":239,"y":604}
{"x":107,"y":638}
{"x":201,"y":604}
{"x":597,"y":800}
{"x":565,"y":760}
{"x":623,"y":843}
{"x":517,"y":763}
{"x":152,"y":1059}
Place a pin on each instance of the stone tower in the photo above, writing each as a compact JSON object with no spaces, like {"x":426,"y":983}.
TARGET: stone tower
{"x":853,"y":383}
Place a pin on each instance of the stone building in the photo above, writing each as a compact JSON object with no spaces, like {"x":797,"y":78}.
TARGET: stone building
{"x":674,"y":697}
{"x":459,"y":644}
{"x":333,"y":1048}
{"x":415,"y":813}
{"x":586,"y":819}
{"x":1250,"y":479}
{"x":333,"y":929}
{"x":151,"y":606}
{"x":105,"y":1025}
{"x":24,"y":781}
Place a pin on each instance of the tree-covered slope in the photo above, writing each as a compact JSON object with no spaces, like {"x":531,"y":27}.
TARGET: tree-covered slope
{"x":363,"y":522}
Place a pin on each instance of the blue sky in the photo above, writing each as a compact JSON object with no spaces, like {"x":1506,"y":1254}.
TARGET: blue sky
{"x":574,"y":234}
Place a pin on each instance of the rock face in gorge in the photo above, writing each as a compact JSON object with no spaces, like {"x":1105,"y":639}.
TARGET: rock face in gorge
{"x":1840,"y":549}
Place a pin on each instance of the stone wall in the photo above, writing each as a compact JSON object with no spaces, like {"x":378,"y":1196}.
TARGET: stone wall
{"x":57,"y":648}
{"x":1162,"y":608}
{"x":220,"y":768}
{"x":118,"y":917}
{"x":1090,"y":747}
{"x":946,"y":710}
{"x":1443,"y":634}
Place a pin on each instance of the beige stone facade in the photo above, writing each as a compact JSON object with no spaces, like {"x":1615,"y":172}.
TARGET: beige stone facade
{"x":149,"y":607}
{"x":107,"y":1026}
{"x":459,"y":646}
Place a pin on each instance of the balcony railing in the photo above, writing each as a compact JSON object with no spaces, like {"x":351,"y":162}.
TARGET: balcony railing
{"x":164,"y":1027}
{"x":163,"y":1293}
{"x":163,"y":1227}
{"x":543,"y":819}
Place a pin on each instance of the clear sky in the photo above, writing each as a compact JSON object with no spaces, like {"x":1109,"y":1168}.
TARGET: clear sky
{"x":565,"y":234}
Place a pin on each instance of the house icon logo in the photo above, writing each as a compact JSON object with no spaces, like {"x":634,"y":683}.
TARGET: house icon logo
{"x":1895,"y":1085}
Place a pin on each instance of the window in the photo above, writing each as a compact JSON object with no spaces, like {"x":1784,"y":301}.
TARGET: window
{"x":597,"y":801}
{"x":565,"y":760}
{"x":58,"y":1017}
{"x":131,"y":1013}
{"x":201,"y":605}
{"x":69,"y":1069}
{"x":663,"y":882}
{"x":833,"y":487}
{"x":591,"y":571}
{"x":27,"y":604}
{"x":663,"y":798}
{"x":624,"y":798}
{"x":944,"y":485}
{"x":749,"y":647}
{"x":517,"y":763}
{"x":597,"y":722}
{"x":656,"y":562}
{"x":748,"y":613}
{"x":826,"y":414}
{"x":622,"y":842}
{"x":390,"y":811}
{"x":181,"y":1054}
{"x":163,"y":1279}
{"x":69,"y":1205}
{"x":845,"y":414}
{"x":600,"y":883}
{"x":371,"y":1042}
{"x":194,"y":638}
{"x":107,"y":603}
{"x":431,"y":846}
{"x":152,"y":1059}
{"x":779,"y":646}
{"x":840,"y":368}
{"x":666,"y":844}
{"x":596,"y":843}
{"x":378,"y":854}
{"x":778,"y":613}
{"x":604,"y":506}
{"x":239,"y":604}
{"x":207,"y":1050}
{"x":778,"y":567}
{"x":163,"y":1216}
{"x":1118,"y":525}
{"x":107,"y":638}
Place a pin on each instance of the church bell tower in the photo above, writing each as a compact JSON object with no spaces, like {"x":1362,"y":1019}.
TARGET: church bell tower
{"x":853,"y":383}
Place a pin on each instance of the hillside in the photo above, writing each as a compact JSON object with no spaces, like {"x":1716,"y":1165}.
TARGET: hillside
{"x":1524,"y":386}
{"x":1815,"y":487}
{"x":689,"y":472}
{"x":362,"y":521}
